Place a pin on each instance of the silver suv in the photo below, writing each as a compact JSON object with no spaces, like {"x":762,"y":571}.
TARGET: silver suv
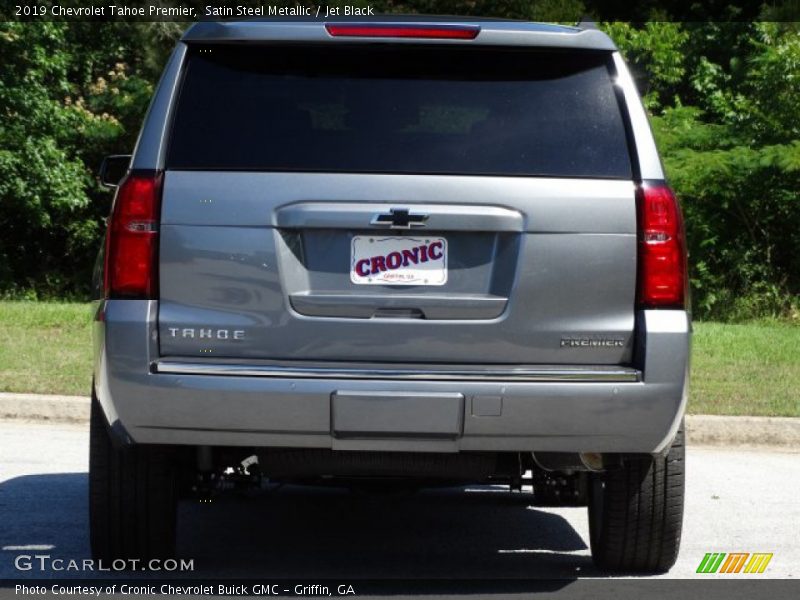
{"x":399,"y":251}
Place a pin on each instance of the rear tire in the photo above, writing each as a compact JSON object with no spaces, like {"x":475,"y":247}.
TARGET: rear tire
{"x":132,"y":497}
{"x":636,"y":512}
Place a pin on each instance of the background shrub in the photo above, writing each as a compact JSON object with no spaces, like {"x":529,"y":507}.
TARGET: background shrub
{"x":722,"y":96}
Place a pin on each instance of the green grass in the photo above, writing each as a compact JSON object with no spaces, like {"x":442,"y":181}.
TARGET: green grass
{"x":45,"y":347}
{"x":742,"y":369}
{"x":746,"y":369}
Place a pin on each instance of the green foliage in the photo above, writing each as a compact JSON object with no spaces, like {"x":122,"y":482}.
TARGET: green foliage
{"x":740,"y":204}
{"x":728,"y":132}
{"x":69,"y":94}
{"x":657,"y":57}
{"x":723,"y":96}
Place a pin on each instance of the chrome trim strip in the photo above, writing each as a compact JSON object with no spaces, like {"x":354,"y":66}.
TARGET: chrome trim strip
{"x":542,"y":374}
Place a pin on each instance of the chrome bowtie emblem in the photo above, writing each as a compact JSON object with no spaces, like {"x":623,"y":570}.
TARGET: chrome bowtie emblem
{"x":399,"y":218}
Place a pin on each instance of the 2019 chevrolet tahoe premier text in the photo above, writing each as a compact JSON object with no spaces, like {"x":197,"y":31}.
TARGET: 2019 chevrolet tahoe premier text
{"x":419,"y":250}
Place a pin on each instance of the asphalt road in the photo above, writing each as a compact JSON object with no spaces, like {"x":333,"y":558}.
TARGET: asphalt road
{"x":738,"y":501}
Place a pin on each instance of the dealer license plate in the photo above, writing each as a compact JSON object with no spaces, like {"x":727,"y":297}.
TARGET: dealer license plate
{"x":398,"y":260}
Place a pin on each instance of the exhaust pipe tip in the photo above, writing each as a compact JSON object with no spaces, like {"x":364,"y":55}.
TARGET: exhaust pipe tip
{"x":569,"y":461}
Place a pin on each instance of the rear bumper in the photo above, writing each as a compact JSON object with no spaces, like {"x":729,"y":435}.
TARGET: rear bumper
{"x":566,"y":409}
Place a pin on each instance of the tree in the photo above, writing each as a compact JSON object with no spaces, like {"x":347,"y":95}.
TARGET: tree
{"x":722,"y":95}
{"x":724,"y":105}
{"x":69,"y":94}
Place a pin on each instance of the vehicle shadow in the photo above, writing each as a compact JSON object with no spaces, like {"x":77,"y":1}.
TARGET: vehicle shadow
{"x":296,"y":532}
{"x":317,"y":532}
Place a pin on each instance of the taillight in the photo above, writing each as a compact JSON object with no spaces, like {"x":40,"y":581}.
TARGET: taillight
{"x":662,"y":248}
{"x":451,"y":32}
{"x":132,"y":238}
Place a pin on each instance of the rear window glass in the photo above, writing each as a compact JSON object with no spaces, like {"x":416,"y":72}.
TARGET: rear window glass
{"x":389,"y":109}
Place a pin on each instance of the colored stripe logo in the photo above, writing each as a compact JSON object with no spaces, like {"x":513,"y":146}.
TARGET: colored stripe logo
{"x":734,"y":562}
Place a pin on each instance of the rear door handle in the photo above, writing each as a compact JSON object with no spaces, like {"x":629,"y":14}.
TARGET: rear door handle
{"x":398,"y":306}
